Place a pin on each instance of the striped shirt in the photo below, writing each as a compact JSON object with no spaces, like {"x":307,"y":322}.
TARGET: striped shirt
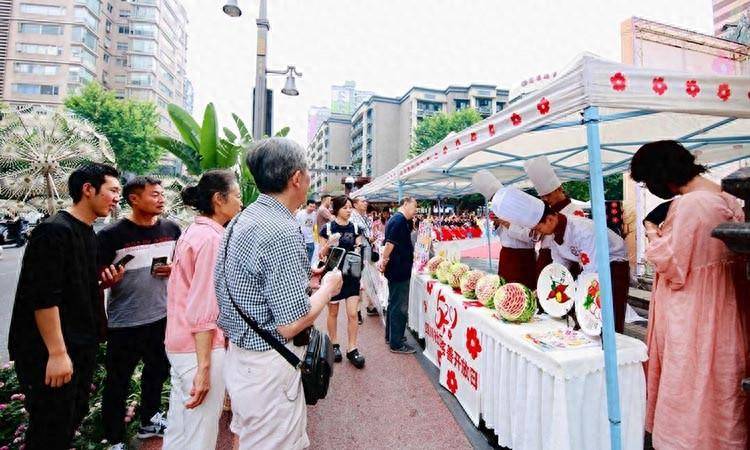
{"x":262,"y":264}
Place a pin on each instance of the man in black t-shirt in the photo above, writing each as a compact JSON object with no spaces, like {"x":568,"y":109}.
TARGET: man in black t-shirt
{"x":137,"y":307}
{"x":396,"y":262}
{"x":57,"y":316}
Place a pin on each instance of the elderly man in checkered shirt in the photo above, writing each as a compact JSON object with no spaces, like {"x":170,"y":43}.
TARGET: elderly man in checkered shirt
{"x":263,"y":266}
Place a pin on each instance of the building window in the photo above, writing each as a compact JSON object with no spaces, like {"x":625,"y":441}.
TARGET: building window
{"x":84,"y":56}
{"x":40,"y":28}
{"x":164,"y":89}
{"x":38,"y":49}
{"x":499,"y":106}
{"x":94,"y":5}
{"x":142,"y":62}
{"x":85,"y":16}
{"x":106,"y":57}
{"x":122,"y":46}
{"x":107,"y":42}
{"x":163,"y":72}
{"x":143,"y":29}
{"x":141,"y":79}
{"x":79,"y":75}
{"x":119,"y":94}
{"x":85,"y":37}
{"x":461,"y":104}
{"x":108,"y":26}
{"x":145,"y":12}
{"x":123,"y":29}
{"x":110,"y":8}
{"x":121,"y":62}
{"x":121,"y":79}
{"x":36,"y":69}
{"x":35,"y":89}
{"x":124,"y":13}
{"x":42,"y":10}
{"x":144,"y":46}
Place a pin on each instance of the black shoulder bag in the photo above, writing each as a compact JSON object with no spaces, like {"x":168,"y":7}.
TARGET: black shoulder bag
{"x":317,"y":366}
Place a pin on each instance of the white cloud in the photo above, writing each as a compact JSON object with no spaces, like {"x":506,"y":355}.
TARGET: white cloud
{"x":387,"y":46}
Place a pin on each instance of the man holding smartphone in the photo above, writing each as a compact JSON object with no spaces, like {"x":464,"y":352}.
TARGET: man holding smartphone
{"x":57,"y":317}
{"x":137,"y":308}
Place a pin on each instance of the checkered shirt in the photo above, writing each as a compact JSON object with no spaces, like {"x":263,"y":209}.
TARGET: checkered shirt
{"x":263,"y":264}
{"x":362,"y":223}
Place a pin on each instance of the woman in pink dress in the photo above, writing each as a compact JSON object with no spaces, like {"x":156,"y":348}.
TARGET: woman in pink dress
{"x":697,"y":336}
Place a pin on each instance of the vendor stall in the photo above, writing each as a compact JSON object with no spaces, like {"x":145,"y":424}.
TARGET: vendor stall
{"x":588,"y":122}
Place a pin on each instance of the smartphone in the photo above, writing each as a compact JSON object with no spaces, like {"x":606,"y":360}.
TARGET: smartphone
{"x":158,"y":262}
{"x":334,"y":258}
{"x":124,"y":260}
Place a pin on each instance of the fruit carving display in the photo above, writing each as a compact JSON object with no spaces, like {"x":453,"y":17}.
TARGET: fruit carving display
{"x":515,"y":302}
{"x":469,"y":283}
{"x":443,"y":271}
{"x":456,"y":272}
{"x":486,"y":288}
{"x":432,"y":265}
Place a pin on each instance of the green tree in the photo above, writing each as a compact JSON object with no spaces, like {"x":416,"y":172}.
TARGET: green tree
{"x":579,"y":189}
{"x":433,"y":129}
{"x":129,"y":125}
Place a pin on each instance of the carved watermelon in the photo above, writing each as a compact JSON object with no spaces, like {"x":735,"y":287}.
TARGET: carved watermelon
{"x":515,"y":302}
{"x":469,"y":283}
{"x":456,"y":272}
{"x":432,"y":265}
{"x":443,"y":271}
{"x":486,"y":288}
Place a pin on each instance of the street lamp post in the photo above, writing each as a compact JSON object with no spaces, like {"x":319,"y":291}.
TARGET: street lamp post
{"x":259,"y":96}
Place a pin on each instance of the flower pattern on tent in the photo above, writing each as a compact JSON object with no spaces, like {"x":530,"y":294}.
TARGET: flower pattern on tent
{"x":492,"y":129}
{"x":724,"y":92}
{"x":619,"y":82}
{"x":515,"y":119}
{"x":543,"y":106}
{"x":692,"y":88}
{"x":659,"y":85}
{"x":473,"y":136}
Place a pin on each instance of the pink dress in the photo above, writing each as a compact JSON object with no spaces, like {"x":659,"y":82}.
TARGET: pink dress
{"x":697,"y":338}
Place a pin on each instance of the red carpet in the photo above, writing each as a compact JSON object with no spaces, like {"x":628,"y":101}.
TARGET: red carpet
{"x":481,"y":251}
{"x":389,"y":404}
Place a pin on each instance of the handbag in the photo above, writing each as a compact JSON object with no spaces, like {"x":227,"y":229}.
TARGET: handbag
{"x":316,"y":367}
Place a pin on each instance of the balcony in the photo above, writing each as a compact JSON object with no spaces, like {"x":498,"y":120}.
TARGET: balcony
{"x":427,"y":112}
{"x":484,"y":110}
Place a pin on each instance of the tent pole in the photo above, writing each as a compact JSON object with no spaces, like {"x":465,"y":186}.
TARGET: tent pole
{"x":487,"y":232}
{"x":591,"y":119}
{"x":400,"y":191}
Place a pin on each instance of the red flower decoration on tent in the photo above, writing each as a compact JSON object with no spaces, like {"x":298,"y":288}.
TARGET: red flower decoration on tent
{"x":452,"y":382}
{"x":492,"y":129}
{"x":558,"y":293}
{"x":543,"y":106}
{"x":472,"y":342}
{"x":515,"y":119}
{"x":473,"y":136}
{"x":619,"y":82}
{"x":659,"y":85}
{"x":445,"y":149}
{"x":724,"y":92}
{"x":692,"y":88}
{"x":584,"y":258}
{"x":458,"y":142}
{"x":579,"y":213}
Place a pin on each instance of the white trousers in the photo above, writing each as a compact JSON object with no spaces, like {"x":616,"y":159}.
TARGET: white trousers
{"x":195,"y":428}
{"x":268,"y":405}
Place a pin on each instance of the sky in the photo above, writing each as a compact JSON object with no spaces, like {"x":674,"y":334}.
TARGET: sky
{"x":388,"y":46}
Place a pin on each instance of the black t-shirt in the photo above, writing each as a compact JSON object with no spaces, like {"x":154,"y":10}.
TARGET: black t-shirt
{"x":348,"y":239}
{"x":140,"y":298}
{"x":398,"y":233}
{"x":59,"y":269}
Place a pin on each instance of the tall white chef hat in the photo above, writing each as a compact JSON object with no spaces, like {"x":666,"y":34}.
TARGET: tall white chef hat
{"x":508,"y":203}
{"x":541,"y":175}
{"x":517,"y":207}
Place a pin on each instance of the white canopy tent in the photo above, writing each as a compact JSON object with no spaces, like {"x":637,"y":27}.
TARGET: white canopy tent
{"x":589,"y":122}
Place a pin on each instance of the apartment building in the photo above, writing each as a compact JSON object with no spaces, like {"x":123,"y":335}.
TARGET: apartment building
{"x":383,"y":128}
{"x":728,"y":12}
{"x":137,"y":48}
{"x":328,"y":154}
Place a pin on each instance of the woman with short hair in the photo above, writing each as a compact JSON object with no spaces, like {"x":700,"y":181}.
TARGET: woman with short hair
{"x":697,"y":339}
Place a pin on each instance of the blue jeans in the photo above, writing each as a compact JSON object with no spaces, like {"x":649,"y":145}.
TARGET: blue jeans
{"x":398,"y":306}
{"x":310,"y":248}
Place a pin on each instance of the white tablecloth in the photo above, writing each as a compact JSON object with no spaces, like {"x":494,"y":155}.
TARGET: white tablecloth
{"x":534,"y":399}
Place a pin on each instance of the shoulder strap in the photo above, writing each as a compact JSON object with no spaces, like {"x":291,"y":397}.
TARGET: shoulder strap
{"x":328,"y":229}
{"x":264,"y":334}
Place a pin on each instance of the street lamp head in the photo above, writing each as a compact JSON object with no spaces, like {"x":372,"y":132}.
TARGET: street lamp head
{"x":231,"y":9}
{"x":290,"y":87}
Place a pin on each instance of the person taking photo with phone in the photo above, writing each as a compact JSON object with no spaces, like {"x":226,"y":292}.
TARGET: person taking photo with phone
{"x":57,"y":319}
{"x":137,"y":308}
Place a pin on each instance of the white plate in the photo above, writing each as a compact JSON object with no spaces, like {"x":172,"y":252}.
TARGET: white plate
{"x":557,"y":275}
{"x":588,"y":312}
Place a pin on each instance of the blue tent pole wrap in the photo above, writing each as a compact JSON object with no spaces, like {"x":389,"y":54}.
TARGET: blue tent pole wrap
{"x":591,"y":119}
{"x":400,"y":191}
{"x":487,"y":231}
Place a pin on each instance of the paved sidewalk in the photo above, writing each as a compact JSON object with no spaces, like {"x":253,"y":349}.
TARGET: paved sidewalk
{"x":391,"y":403}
